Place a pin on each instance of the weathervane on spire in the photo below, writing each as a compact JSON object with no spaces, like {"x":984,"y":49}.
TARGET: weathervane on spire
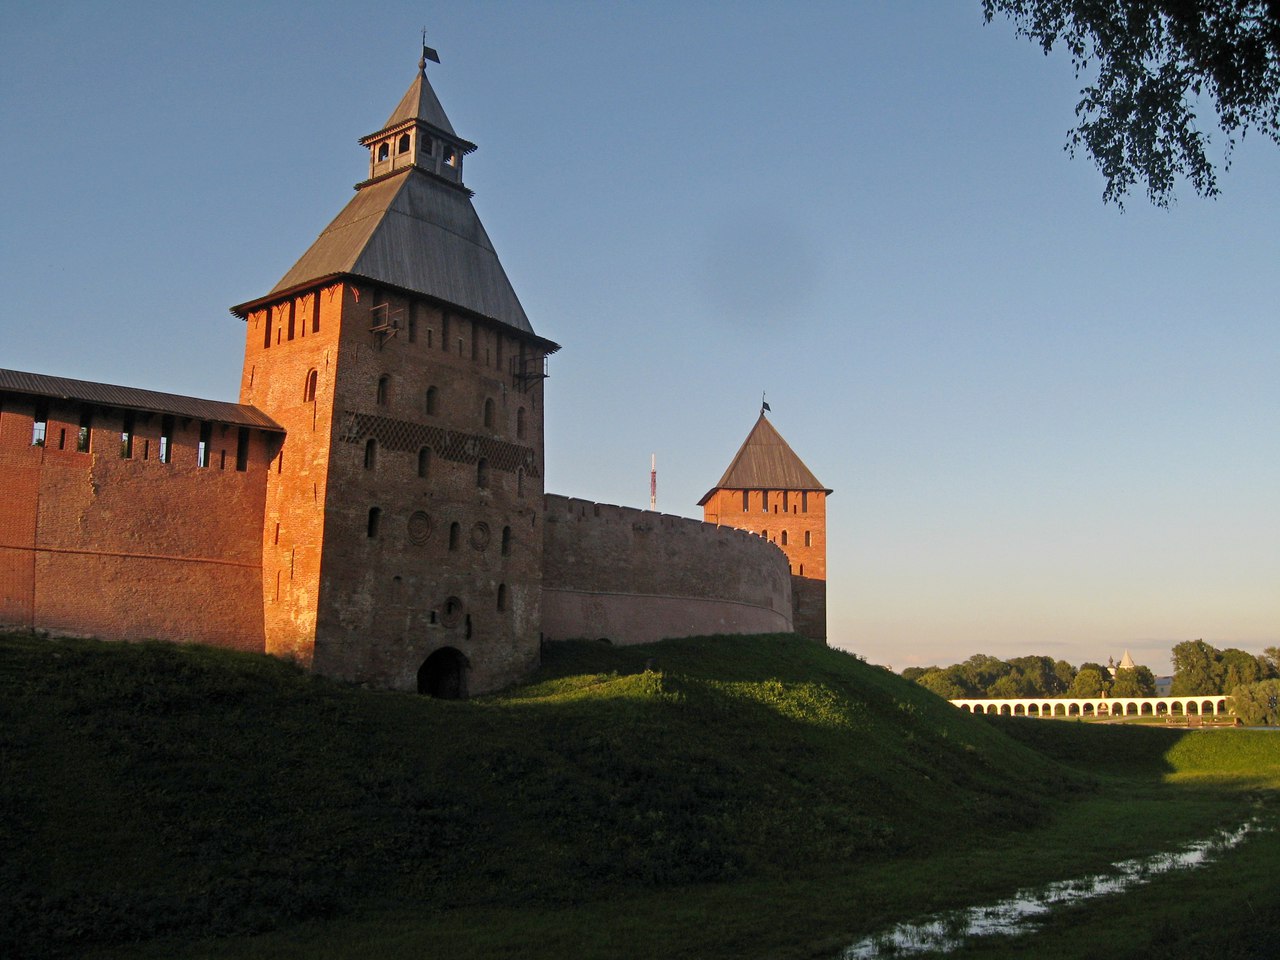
{"x":763,"y":406}
{"x":427,"y":53}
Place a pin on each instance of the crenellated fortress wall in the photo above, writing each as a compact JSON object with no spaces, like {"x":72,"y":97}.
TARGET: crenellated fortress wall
{"x":636,"y":576}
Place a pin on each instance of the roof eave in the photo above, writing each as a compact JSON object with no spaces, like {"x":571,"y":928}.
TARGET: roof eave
{"x":244,"y":309}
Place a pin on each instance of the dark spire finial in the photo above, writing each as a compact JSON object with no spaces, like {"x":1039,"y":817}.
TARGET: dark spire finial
{"x":763,"y":406}
{"x":427,"y":53}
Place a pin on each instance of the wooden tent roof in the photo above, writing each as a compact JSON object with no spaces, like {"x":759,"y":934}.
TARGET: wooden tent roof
{"x":416,"y":233}
{"x":412,"y":231}
{"x":766,"y":462}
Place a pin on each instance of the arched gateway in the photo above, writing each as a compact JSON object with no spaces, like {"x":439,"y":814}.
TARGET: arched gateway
{"x":444,"y":674}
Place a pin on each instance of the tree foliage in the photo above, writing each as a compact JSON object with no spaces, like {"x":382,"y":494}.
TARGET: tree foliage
{"x":1155,"y":65}
{"x":1136,"y":682}
{"x":1200,"y":667}
{"x":1088,"y":683}
{"x":1194,"y":668}
{"x":1258,"y":703}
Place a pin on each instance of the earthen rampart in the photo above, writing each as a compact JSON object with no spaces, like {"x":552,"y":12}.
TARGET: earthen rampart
{"x":636,"y":576}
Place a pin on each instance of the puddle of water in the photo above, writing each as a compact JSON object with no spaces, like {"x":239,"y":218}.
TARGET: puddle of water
{"x":944,"y":932}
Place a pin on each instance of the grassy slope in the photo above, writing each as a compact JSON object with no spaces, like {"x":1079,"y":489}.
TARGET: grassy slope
{"x":151,"y":791}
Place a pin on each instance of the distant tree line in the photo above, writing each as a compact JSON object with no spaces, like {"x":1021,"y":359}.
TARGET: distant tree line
{"x":1199,"y":668}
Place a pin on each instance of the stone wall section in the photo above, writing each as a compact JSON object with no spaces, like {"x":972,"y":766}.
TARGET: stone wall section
{"x":96,"y":543}
{"x":634,"y":576}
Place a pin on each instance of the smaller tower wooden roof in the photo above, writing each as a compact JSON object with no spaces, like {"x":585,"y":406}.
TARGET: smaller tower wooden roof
{"x":766,"y":462}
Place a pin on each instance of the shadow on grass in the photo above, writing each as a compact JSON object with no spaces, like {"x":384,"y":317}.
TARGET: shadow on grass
{"x":159,"y":793}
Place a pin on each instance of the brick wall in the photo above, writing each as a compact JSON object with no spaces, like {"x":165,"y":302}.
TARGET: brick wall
{"x":93,"y":543}
{"x":795,"y":521}
{"x":634,"y":576}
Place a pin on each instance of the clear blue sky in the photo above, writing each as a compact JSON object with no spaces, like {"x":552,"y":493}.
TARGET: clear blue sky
{"x":1051,"y":427}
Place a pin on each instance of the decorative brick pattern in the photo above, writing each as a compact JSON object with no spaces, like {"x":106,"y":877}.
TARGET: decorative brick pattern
{"x":457,"y":446}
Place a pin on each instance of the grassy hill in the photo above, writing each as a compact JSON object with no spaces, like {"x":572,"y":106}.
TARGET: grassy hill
{"x":150,"y":791}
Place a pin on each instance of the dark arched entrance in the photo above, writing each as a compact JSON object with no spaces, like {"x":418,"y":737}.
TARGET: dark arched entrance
{"x":444,"y":674}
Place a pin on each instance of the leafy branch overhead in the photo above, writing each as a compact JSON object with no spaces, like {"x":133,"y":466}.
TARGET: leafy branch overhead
{"x":1155,"y":66}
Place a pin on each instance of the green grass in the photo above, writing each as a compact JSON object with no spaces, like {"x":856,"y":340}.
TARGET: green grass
{"x":744,"y":796}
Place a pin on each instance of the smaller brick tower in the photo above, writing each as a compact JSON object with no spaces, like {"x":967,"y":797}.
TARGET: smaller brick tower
{"x":770,"y":492}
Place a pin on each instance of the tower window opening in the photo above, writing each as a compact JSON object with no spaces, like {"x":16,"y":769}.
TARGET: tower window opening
{"x":166,"y":439}
{"x":309,"y":387}
{"x":784,"y":538}
{"x":403,"y":145}
{"x":383,"y":390}
{"x":424,"y":462}
{"x":520,"y":482}
{"x":764,"y":501}
{"x":40,"y":425}
{"x":126,"y":437}
{"x":802,"y":569}
{"x":384,"y":151}
{"x":520,"y":424}
{"x":804,"y":501}
{"x":488,"y":413}
{"x":82,"y":435}
{"x":506,"y":541}
{"x":413,"y":328}
{"x":242,"y":449}
{"x":455,"y":534}
{"x":746,"y":500}
{"x":206,"y":440}
{"x":427,"y":146}
{"x":502,"y":597}
{"x":765,"y":534}
{"x":785,"y":496}
{"x":375,"y":521}
{"x":370,"y":454}
{"x":291,"y":323}
{"x":808,"y":538}
{"x":432,"y":401}
{"x":482,"y":473}
{"x":266,"y":334}
{"x":451,"y":158}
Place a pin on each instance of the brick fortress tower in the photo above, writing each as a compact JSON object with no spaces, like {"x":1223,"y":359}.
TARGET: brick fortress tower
{"x":769,"y":491}
{"x":402,"y":542}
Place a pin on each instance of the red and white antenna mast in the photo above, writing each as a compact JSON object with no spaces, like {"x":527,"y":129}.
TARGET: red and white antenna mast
{"x":653,"y":481}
